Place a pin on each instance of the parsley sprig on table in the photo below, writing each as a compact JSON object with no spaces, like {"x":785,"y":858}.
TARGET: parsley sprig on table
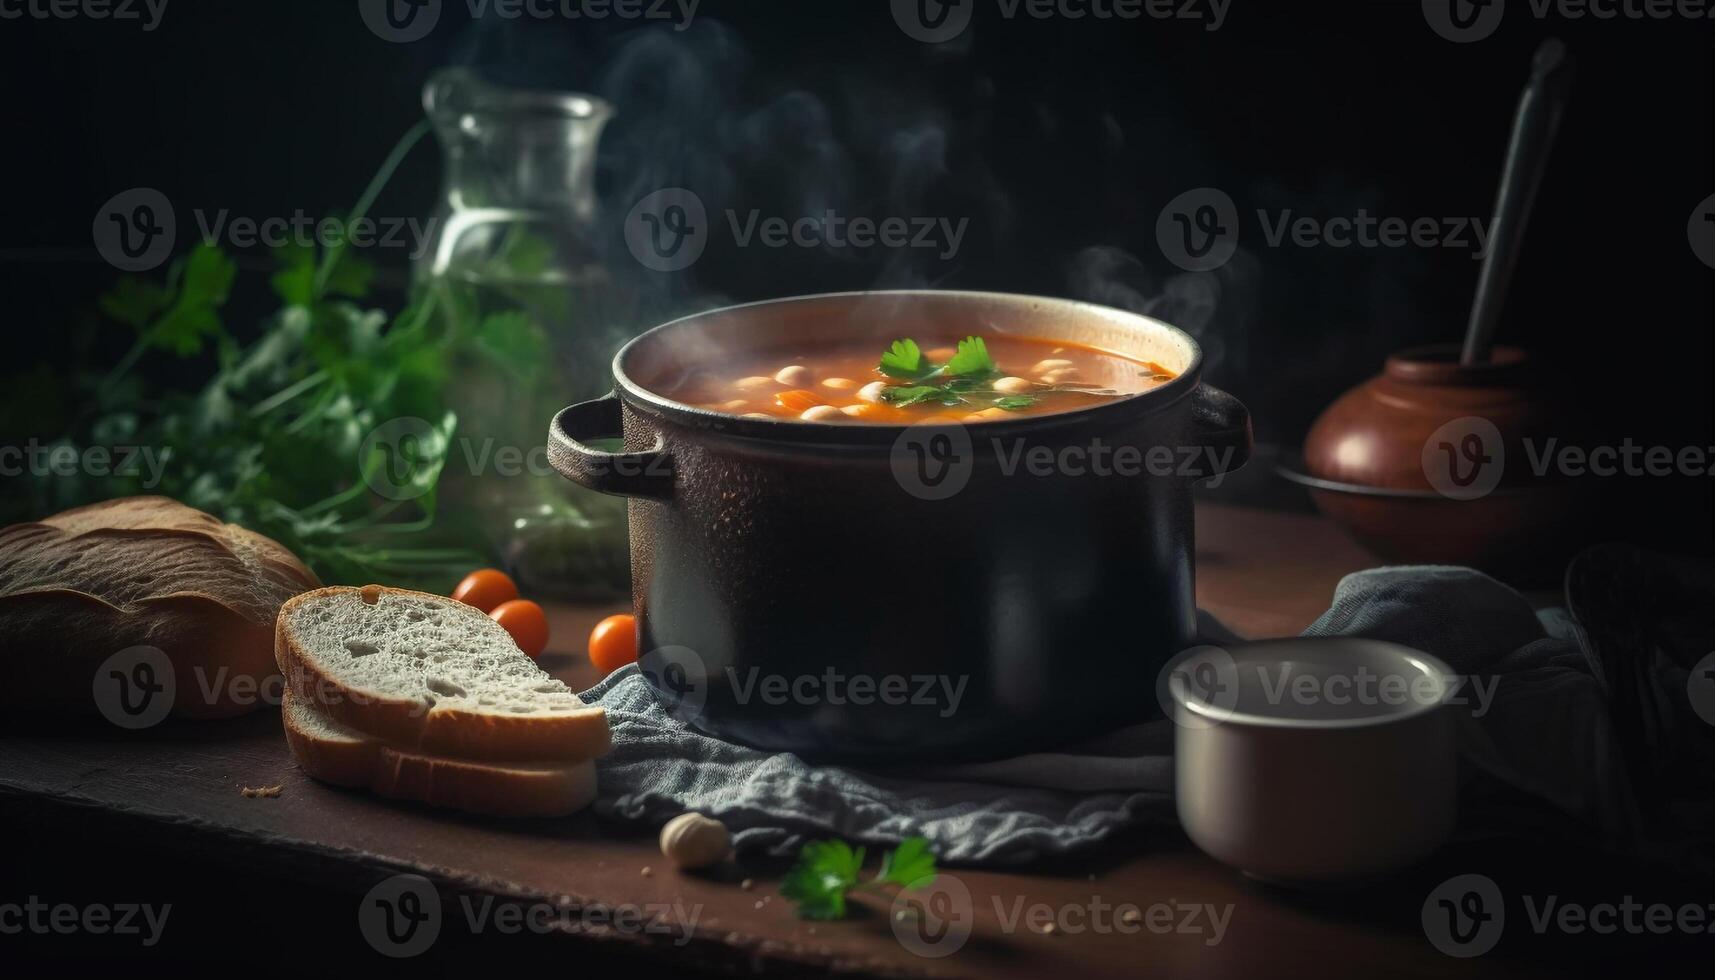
{"x":966,"y":379}
{"x":827,"y":871}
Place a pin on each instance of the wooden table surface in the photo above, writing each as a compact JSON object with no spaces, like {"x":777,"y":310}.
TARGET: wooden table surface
{"x":178,"y":786}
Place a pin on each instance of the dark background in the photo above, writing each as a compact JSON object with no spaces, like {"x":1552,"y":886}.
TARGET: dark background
{"x":1060,"y":140}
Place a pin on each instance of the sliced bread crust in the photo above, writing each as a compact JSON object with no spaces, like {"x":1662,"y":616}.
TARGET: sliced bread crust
{"x":430,"y":675}
{"x":326,"y":749}
{"x":335,"y":753}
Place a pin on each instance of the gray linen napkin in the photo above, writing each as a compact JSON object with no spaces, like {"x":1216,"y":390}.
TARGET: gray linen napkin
{"x":773,"y":801}
{"x":1543,"y":731}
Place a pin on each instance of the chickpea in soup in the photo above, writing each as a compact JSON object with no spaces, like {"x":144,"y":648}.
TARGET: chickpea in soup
{"x":972,"y":380}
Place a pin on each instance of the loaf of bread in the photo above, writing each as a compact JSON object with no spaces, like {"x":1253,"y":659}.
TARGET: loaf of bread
{"x":80,"y":586}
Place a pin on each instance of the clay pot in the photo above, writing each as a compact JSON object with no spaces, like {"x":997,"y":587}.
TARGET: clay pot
{"x":1427,"y":463}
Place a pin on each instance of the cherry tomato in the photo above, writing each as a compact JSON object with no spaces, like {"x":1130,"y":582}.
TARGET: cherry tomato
{"x":527,"y":623}
{"x":485,"y":589}
{"x":613,"y":643}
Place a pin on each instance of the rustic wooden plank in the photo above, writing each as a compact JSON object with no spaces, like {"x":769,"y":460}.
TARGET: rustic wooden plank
{"x":1264,"y":574}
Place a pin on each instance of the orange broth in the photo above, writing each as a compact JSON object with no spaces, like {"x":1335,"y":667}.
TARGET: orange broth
{"x":845,"y":384}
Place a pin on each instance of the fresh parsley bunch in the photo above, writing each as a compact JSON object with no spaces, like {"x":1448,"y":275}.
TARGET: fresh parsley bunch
{"x":276,"y":437}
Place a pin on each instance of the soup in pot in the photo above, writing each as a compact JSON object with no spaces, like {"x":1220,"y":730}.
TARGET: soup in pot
{"x":969,"y":380}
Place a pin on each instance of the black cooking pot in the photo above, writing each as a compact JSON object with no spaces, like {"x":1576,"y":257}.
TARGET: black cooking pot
{"x":886,"y":591}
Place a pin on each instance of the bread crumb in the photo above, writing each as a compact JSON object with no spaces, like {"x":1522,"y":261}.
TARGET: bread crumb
{"x":261,"y":792}
{"x":747,"y":884}
{"x":647,"y":871}
{"x":1048,"y":929}
{"x":1131,"y":917}
{"x":759,"y":905}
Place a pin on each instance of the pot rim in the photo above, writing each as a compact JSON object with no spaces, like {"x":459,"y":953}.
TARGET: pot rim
{"x":1427,"y":665}
{"x":845,"y":433}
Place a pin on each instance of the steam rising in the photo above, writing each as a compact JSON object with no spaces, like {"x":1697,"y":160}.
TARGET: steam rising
{"x":1188,"y":300}
{"x":696,"y":111}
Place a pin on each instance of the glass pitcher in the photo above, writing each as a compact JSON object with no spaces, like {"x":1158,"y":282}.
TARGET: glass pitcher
{"x":515,"y":256}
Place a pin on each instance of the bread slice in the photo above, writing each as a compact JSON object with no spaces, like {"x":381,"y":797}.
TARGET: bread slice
{"x":84,"y":584}
{"x":337,"y":754}
{"x":427,"y":674}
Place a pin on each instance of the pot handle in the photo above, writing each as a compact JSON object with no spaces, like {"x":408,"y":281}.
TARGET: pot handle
{"x":1222,"y":427}
{"x":645,"y":474}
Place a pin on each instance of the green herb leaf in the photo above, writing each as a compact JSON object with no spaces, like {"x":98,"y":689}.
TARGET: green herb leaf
{"x":904,"y":396}
{"x":135,"y":301}
{"x":1016,"y":403}
{"x":905,"y":361}
{"x":411,"y":465}
{"x":825,"y":871}
{"x":514,"y":343}
{"x":911,"y":865}
{"x":194,"y":316}
{"x":295,"y":285}
{"x":208,"y":276}
{"x":972,"y":360}
{"x":523,"y":256}
{"x":295,"y":282}
{"x":971,"y":385}
{"x":350,"y":276}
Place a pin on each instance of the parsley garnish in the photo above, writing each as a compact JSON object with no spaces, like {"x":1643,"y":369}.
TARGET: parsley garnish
{"x":905,"y":361}
{"x":901,"y":396}
{"x":827,"y":870}
{"x":972,"y":360}
{"x":966,"y":379}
